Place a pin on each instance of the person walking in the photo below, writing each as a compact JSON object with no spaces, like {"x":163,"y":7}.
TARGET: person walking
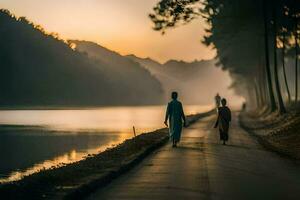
{"x":217,"y":100}
{"x":176,"y":116}
{"x":223,"y":121}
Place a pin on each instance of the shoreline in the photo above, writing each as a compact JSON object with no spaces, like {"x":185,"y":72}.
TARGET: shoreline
{"x":75,"y":107}
{"x":78,"y":107}
{"x":76,"y":180}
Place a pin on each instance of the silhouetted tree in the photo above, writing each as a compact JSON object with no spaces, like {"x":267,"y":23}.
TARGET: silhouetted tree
{"x":276,"y":78}
{"x":241,"y":32}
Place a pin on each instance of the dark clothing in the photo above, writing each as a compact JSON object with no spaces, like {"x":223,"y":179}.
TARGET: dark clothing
{"x":175,"y":115}
{"x":223,"y":121}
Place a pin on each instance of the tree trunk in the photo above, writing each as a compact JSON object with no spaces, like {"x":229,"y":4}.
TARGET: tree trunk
{"x":283,"y":67}
{"x":277,"y":83}
{"x":267,"y":59}
{"x":262,"y":87}
{"x":263,"y":84}
{"x":257,"y":96}
{"x":296,"y":62}
{"x":253,"y":98}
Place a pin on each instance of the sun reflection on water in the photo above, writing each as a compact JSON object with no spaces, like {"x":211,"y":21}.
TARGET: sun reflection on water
{"x":67,"y":158}
{"x":103,"y":122}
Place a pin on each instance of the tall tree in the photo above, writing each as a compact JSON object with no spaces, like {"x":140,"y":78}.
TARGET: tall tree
{"x":241,"y":33}
{"x":267,"y":57}
{"x":296,"y":59}
{"x":277,"y":84}
{"x":283,"y":65}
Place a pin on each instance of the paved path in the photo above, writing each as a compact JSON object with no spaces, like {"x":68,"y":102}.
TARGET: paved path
{"x":202,"y":168}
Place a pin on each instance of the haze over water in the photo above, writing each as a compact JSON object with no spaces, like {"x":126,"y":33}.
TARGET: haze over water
{"x":48,"y":138}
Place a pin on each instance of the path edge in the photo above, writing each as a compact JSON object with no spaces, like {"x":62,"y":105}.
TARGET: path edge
{"x":263,"y":142}
{"x":85,"y":190}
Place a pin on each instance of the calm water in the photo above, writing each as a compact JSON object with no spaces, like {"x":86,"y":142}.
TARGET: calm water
{"x":49,"y":138}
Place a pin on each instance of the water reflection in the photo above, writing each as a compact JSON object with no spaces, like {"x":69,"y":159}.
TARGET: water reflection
{"x":67,"y":158}
{"x":101,"y":119}
{"x":68,"y":135}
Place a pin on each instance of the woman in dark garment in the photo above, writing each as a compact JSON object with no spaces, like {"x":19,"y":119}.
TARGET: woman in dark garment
{"x":223,"y":121}
{"x":175,"y":115}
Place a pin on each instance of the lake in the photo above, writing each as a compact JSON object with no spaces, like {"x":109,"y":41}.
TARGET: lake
{"x":34,"y":140}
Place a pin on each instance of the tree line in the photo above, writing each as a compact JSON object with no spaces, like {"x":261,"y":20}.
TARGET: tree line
{"x":40,"y":69}
{"x":257,"y":41}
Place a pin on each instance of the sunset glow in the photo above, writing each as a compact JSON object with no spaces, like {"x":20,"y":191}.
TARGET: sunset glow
{"x":120,"y":25}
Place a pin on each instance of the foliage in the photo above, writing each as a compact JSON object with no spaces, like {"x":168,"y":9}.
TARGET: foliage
{"x":245,"y":35}
{"x":40,"y":69}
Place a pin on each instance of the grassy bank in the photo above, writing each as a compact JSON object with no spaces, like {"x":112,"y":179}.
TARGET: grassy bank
{"x":279,"y":133}
{"x":74,"y":181}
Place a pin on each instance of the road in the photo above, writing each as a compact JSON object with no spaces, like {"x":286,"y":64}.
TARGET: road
{"x":202,"y":168}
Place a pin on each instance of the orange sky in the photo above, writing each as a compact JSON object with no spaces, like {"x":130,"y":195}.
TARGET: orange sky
{"x":120,"y":25}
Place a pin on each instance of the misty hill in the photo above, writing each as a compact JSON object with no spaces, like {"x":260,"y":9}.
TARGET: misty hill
{"x":197,"y":82}
{"x":38,"y":69}
{"x":127,"y":70}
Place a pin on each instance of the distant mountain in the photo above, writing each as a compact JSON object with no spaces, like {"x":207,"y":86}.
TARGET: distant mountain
{"x":153,"y":66}
{"x":131,"y":72}
{"x":38,"y":69}
{"x":197,"y":82}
